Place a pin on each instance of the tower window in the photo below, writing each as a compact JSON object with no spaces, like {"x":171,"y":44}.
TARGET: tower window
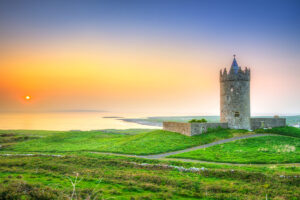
{"x":236,"y":114}
{"x":262,"y":124}
{"x":231,"y":90}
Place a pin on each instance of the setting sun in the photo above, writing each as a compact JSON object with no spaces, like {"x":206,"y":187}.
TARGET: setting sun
{"x":28,"y":97}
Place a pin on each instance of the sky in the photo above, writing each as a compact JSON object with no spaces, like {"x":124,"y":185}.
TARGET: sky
{"x":149,"y":56}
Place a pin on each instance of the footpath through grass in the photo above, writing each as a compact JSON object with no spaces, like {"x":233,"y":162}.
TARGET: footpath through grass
{"x":266,"y":149}
{"x":151,"y":142}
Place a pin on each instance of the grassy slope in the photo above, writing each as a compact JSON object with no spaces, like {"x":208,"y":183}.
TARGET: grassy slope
{"x":47,"y":178}
{"x":153,"y":142}
{"x":266,"y":149}
{"x":288,"y":131}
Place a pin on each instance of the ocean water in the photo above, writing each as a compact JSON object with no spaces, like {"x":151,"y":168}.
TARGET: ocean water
{"x":69,"y":121}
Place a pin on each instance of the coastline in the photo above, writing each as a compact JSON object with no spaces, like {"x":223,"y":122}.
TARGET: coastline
{"x":142,"y":121}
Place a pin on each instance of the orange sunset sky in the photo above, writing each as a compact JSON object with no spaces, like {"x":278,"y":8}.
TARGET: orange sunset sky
{"x":160,"y":65}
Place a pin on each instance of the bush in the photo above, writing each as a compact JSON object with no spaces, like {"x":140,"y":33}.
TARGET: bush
{"x":23,"y":190}
{"x":198,"y":120}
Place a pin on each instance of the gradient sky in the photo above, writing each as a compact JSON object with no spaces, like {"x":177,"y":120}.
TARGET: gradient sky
{"x":157,"y":57}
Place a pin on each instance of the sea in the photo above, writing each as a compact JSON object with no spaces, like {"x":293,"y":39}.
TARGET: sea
{"x":70,"y":121}
{"x":83,"y":120}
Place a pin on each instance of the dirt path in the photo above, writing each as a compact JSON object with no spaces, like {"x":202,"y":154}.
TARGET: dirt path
{"x":204,"y":146}
{"x":163,"y":155}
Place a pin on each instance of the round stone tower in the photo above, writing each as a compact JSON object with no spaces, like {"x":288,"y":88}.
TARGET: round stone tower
{"x":235,"y":96}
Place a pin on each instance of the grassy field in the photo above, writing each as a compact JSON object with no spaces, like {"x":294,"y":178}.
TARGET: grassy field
{"x":63,"y":156}
{"x":266,"y":149}
{"x":110,"y":177}
{"x":147,"y":142}
{"x":288,"y":131}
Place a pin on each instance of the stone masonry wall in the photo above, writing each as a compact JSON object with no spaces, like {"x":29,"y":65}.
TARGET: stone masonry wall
{"x":179,"y":127}
{"x":199,"y":128}
{"x":235,"y":98}
{"x":267,"y":122}
{"x":191,"y":129}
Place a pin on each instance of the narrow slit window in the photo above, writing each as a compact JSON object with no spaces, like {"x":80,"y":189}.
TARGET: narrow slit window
{"x":237,"y":114}
{"x":262,"y":124}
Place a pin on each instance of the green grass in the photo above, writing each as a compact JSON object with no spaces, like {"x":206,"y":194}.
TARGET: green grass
{"x":265,"y":149}
{"x":288,"y":131}
{"x":121,"y":178}
{"x":152,"y":142}
{"x":111,"y":177}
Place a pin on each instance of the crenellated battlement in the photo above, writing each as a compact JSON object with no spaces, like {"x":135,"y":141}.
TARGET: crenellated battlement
{"x":239,"y":75}
{"x":236,"y":73}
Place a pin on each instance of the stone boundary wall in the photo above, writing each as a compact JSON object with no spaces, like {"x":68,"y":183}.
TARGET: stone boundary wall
{"x":191,"y":129}
{"x":179,"y":127}
{"x":199,"y":128}
{"x":257,"y":123}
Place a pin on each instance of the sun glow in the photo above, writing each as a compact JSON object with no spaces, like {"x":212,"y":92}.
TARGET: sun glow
{"x":28,"y":97}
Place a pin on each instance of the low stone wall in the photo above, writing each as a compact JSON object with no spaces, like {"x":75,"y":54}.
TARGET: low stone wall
{"x":199,"y":128}
{"x":257,"y":123}
{"x":191,"y":129}
{"x":179,"y":127}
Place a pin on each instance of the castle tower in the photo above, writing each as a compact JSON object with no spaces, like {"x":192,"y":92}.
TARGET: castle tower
{"x":235,"y":96}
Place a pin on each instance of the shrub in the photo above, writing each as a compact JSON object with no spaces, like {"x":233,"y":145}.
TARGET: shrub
{"x":19,"y":177}
{"x":198,"y":120}
{"x":23,"y":190}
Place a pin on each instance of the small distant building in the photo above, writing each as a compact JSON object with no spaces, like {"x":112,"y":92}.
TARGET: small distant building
{"x":297,"y":125}
{"x":234,"y":106}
